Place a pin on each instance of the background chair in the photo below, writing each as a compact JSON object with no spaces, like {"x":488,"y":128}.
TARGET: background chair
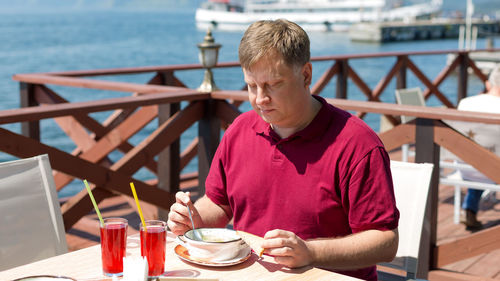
{"x":411,"y":96}
{"x":411,"y":188}
{"x":31,"y":222}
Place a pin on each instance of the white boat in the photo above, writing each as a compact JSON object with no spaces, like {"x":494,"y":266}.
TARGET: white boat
{"x":323,"y":15}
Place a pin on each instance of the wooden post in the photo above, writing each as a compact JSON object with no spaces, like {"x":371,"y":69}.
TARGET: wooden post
{"x":27,"y":97}
{"x":463,"y":76}
{"x":209,"y":137}
{"x":341,"y":92}
{"x":169,"y":159}
{"x":401,"y":74}
{"x":428,"y":152}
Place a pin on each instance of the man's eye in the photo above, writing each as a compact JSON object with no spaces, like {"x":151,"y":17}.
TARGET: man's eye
{"x":275,"y":85}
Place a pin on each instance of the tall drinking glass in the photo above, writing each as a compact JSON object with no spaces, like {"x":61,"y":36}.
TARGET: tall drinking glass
{"x":113,"y":245}
{"x":153,"y":242}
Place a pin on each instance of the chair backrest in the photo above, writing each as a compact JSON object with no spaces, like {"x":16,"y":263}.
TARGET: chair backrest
{"x":411,"y":188}
{"x":31,"y":222}
{"x":410,"y":96}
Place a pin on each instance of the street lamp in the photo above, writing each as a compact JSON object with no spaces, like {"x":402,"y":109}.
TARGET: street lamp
{"x":209,"y":52}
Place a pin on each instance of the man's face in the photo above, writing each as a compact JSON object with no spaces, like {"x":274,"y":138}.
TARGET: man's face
{"x":278,"y":92}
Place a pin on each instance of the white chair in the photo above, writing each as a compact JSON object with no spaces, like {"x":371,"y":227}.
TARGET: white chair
{"x":464,"y":175}
{"x":411,"y":96}
{"x":31,"y":222}
{"x":411,"y":188}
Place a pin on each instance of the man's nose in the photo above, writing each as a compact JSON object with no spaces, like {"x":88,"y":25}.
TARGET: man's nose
{"x":262,"y":96}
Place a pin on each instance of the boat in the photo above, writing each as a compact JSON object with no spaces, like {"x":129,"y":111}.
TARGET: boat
{"x":321,"y":15}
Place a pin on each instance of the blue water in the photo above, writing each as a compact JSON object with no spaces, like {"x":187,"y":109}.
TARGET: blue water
{"x":44,"y":40}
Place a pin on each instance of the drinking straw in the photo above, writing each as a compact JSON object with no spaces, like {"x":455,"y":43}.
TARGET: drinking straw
{"x":138,"y":206}
{"x":93,"y":202}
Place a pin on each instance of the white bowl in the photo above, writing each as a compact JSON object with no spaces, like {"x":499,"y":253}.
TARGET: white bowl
{"x":218,"y":244}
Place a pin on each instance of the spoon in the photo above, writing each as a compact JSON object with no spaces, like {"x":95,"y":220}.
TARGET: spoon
{"x":197,"y":236}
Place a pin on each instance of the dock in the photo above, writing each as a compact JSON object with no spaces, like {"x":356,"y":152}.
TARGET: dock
{"x":382,"y":32}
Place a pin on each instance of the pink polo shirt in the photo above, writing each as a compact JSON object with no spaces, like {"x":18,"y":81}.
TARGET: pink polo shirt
{"x":330,"y":179}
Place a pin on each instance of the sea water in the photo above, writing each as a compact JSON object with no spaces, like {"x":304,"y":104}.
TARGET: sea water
{"x":70,"y":38}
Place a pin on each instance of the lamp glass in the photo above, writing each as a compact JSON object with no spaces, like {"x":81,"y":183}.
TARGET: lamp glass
{"x":209,"y":57}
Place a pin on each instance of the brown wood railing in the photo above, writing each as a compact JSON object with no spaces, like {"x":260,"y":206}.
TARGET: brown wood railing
{"x":176,"y":107}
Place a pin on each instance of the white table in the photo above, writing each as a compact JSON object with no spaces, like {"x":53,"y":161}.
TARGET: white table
{"x":85,"y":264}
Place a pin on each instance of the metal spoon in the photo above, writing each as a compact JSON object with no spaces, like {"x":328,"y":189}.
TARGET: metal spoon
{"x":197,"y":235}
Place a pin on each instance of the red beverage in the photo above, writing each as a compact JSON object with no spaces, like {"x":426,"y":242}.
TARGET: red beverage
{"x":113,"y":245}
{"x":153,"y":242}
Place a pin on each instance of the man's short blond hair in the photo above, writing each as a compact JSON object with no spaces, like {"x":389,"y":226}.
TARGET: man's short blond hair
{"x":494,"y":77}
{"x":283,"y":37}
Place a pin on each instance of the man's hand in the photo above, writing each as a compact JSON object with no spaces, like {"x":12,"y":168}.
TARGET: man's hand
{"x":287,"y":248}
{"x":178,"y":217}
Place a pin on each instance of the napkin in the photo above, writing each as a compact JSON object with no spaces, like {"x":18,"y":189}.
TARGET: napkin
{"x":135,"y":269}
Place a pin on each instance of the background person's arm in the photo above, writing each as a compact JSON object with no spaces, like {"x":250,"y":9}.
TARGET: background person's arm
{"x":344,"y":253}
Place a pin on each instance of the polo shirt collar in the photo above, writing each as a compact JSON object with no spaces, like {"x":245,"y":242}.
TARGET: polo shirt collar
{"x":317,"y":127}
{"x":261,"y":127}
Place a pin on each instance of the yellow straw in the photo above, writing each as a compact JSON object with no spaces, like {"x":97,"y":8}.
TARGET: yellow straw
{"x":138,"y":206}
{"x":93,"y":202}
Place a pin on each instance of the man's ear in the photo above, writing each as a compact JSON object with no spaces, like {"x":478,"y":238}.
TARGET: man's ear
{"x":307,"y":74}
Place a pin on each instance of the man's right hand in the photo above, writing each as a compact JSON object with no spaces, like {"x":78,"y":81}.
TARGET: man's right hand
{"x":178,"y":217}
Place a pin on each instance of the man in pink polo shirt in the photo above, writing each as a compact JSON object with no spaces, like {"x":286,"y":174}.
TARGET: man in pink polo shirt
{"x":310,"y":178}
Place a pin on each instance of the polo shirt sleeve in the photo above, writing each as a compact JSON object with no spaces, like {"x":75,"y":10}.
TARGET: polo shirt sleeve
{"x":215,"y":184}
{"x":370,"y":194}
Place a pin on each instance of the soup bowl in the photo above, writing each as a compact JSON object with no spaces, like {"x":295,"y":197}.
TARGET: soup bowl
{"x":216,"y":244}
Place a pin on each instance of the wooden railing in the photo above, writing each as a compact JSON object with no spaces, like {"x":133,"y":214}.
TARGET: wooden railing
{"x":176,"y":107}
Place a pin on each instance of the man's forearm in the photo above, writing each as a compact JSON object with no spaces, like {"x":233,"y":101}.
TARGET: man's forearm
{"x":354,"y":251}
{"x":212,"y":215}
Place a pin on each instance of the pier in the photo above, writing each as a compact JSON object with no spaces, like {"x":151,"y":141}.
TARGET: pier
{"x":382,"y":32}
{"x":171,"y":108}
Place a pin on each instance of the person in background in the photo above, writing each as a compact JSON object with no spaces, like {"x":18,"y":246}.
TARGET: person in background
{"x":488,"y":102}
{"x":310,"y":178}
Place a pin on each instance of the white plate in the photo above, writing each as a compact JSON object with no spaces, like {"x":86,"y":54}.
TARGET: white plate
{"x":242,"y":256}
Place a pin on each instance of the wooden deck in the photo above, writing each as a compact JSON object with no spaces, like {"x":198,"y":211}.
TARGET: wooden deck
{"x":486,"y":265}
{"x":86,"y":232}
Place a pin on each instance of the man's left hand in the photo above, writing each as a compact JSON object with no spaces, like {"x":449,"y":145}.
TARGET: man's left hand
{"x":287,"y":248}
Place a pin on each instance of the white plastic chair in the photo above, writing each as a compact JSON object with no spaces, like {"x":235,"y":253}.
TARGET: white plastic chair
{"x":411,"y":188}
{"x":31,"y":222}
{"x":411,"y":96}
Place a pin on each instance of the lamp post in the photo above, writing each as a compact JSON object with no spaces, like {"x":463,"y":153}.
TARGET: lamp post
{"x":209,"y":52}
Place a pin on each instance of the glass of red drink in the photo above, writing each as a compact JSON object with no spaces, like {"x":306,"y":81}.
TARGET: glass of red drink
{"x":153,"y":242}
{"x":113,"y":245}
